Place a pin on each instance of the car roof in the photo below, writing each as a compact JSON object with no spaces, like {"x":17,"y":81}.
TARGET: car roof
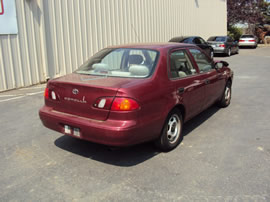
{"x":248,"y":35}
{"x":218,"y":36}
{"x":156,"y":46}
{"x":181,"y":38}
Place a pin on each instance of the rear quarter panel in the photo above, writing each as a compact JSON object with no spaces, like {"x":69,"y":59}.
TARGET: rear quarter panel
{"x":156,"y":98}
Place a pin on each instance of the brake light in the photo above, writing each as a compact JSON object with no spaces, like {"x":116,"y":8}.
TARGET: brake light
{"x":124,"y":104}
{"x":117,"y":104}
{"x":241,"y":40}
{"x":46,"y":93}
{"x":251,"y":40}
{"x":222,"y":45}
{"x":50,"y":94}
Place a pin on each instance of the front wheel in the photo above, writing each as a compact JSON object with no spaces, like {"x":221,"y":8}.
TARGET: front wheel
{"x":171,"y":134}
{"x":226,"y":97}
{"x":212,"y":54}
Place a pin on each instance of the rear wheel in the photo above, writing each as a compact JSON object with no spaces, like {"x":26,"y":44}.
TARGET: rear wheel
{"x":229,"y":52}
{"x":226,"y":97}
{"x":171,"y":134}
{"x":237,"y":50}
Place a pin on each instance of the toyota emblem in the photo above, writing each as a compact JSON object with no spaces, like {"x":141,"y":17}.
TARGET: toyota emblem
{"x":75,"y":91}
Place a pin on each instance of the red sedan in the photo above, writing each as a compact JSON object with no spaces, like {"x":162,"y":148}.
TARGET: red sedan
{"x":130,"y":94}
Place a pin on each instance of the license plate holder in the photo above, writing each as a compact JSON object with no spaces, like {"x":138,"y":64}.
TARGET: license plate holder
{"x":67,"y":129}
{"x":77,"y":132}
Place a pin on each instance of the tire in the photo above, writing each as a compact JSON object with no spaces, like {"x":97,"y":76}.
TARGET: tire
{"x":237,"y":51}
{"x":226,"y":97}
{"x":229,"y":52}
{"x":171,"y":134}
{"x":211,"y":54}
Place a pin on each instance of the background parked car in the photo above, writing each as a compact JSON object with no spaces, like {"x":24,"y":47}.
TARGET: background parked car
{"x":195,"y":40}
{"x":223,"y":44}
{"x":248,"y":40}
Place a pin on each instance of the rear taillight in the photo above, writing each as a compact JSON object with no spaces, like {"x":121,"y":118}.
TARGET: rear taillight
{"x":117,"y":104}
{"x":124,"y":104}
{"x":50,"y":94}
{"x":241,"y":40}
{"x":251,"y":40}
{"x":46,"y":93}
{"x":222,"y":45}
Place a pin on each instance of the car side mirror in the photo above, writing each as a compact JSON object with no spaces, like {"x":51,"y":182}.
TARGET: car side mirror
{"x":220,"y":64}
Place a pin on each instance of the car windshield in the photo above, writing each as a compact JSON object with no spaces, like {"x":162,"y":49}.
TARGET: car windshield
{"x":121,"y":62}
{"x":247,"y":36}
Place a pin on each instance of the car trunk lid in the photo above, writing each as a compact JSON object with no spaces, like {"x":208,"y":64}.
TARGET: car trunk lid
{"x":76,"y":94}
{"x":215,"y":43}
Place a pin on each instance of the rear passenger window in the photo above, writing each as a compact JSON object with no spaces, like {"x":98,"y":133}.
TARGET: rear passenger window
{"x":203,"y":62}
{"x":180,"y":65}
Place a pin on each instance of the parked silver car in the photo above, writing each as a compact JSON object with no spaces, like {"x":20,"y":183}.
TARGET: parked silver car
{"x":248,"y":40}
{"x":223,"y":44}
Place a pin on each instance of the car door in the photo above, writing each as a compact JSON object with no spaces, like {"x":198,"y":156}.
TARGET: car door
{"x":212,"y":78}
{"x":187,"y":83}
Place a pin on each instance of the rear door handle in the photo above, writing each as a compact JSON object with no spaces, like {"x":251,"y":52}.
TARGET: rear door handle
{"x":181,"y":90}
{"x":206,"y":81}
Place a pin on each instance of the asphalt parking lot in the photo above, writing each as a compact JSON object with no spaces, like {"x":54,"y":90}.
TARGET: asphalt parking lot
{"x":225,"y":155}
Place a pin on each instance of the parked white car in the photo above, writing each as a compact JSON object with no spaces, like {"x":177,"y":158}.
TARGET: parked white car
{"x":247,"y":40}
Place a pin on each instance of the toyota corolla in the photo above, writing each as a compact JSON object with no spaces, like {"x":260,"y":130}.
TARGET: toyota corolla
{"x":130,"y":94}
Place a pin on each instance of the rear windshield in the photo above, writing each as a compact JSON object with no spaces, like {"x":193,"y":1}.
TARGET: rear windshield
{"x":247,"y":36}
{"x":121,"y":62}
{"x":217,"y":38}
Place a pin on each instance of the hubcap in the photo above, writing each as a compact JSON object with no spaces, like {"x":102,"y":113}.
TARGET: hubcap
{"x":227,"y":94}
{"x":173,"y":128}
{"x":229,"y":52}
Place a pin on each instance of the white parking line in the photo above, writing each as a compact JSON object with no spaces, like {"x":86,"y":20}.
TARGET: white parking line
{"x":18,"y":96}
{"x":39,"y":92}
{"x":10,"y":95}
{"x":14,"y":98}
{"x":36,"y":87}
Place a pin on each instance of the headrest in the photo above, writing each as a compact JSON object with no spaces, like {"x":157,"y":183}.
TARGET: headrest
{"x":135,"y":59}
{"x":139,"y":70}
{"x":100,"y":67}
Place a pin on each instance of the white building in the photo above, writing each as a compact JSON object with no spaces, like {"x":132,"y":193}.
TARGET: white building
{"x":54,"y":37}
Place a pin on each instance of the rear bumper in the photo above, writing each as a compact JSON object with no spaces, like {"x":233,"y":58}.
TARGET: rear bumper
{"x":109,"y":132}
{"x":247,"y":44}
{"x":219,"y":50}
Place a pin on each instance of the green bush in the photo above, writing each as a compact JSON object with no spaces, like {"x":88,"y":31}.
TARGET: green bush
{"x":234,"y":32}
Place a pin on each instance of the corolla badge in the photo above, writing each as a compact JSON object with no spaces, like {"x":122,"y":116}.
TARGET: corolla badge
{"x":75,"y":91}
{"x":83,"y":101}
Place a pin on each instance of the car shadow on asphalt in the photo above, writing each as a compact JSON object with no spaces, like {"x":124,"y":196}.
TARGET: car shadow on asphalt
{"x":124,"y":156}
{"x":127,"y":156}
{"x":199,"y":119}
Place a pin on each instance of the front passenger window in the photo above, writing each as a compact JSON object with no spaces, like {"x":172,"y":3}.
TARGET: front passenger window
{"x":203,"y":62}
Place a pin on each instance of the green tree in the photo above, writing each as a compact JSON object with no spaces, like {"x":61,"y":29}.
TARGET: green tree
{"x":245,"y":11}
